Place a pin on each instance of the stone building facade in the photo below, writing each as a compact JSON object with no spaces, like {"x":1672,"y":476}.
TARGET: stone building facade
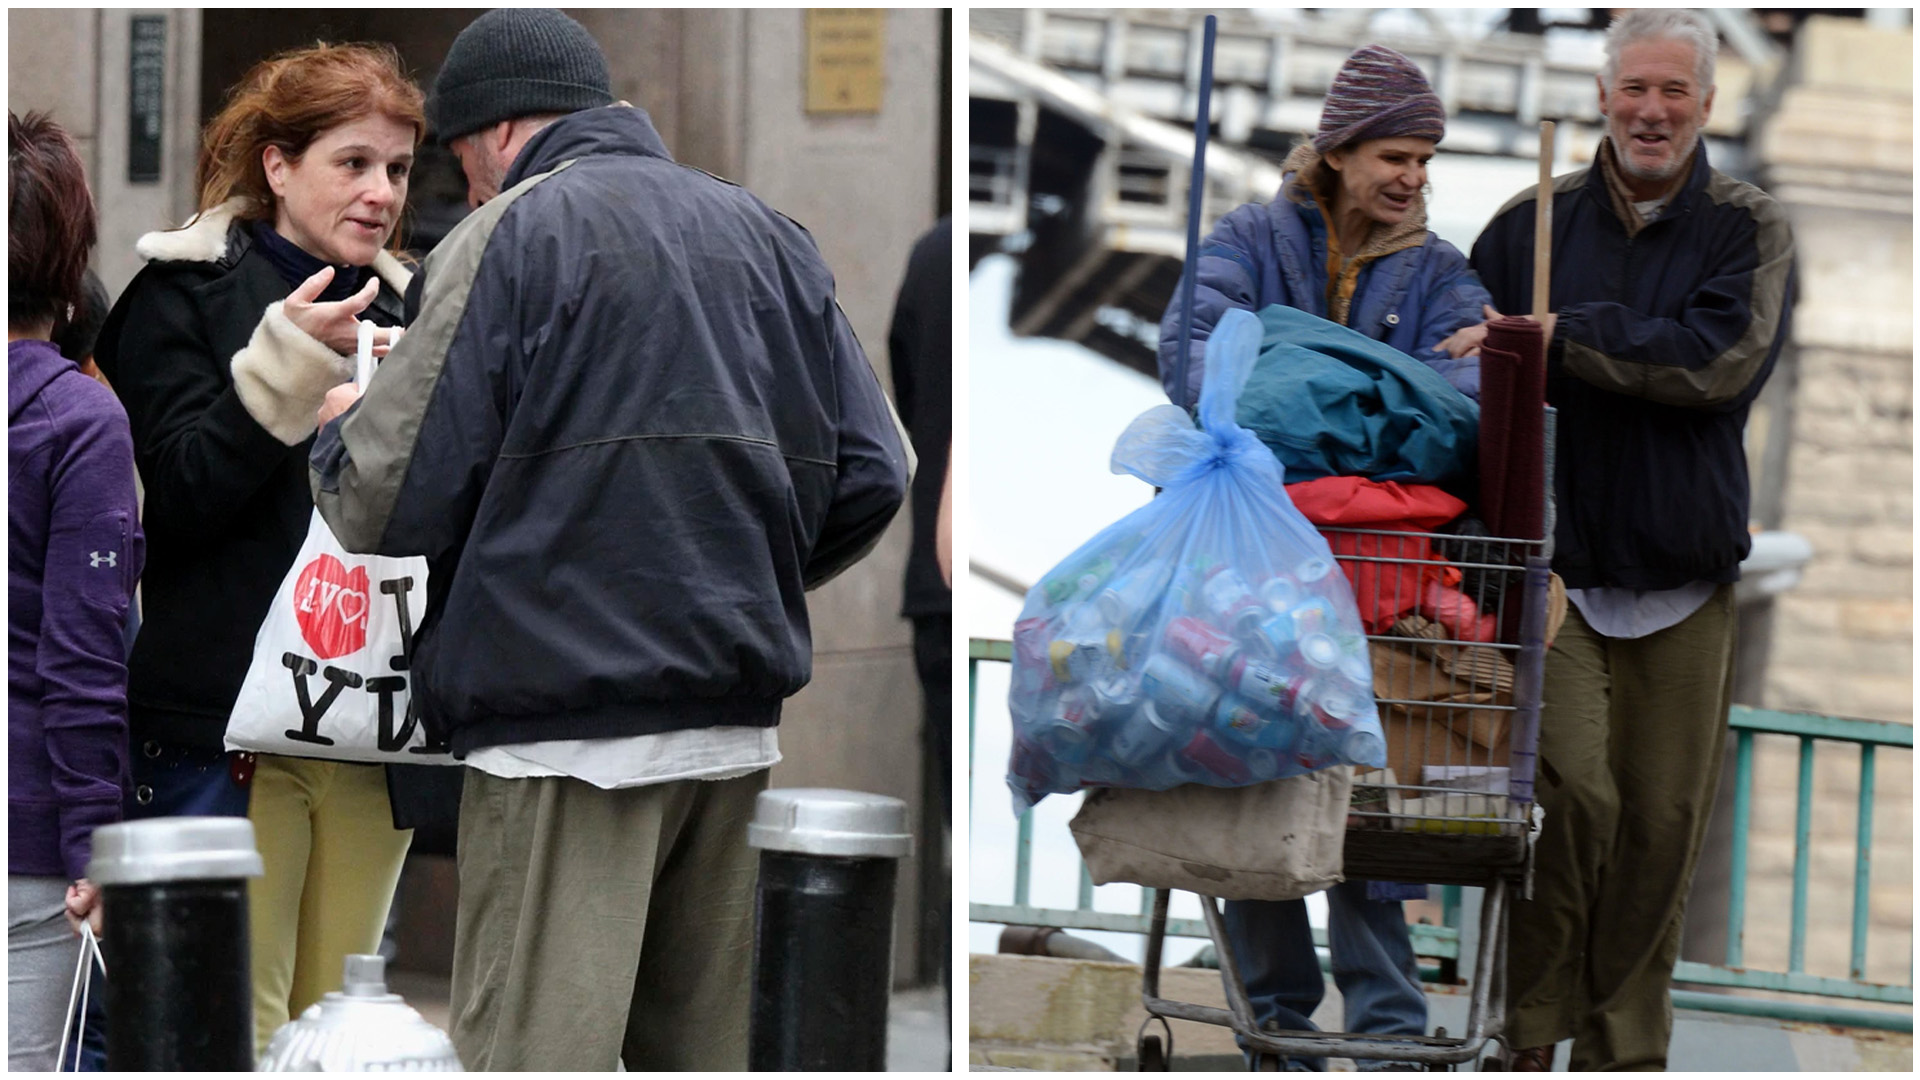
{"x":1837,"y":152}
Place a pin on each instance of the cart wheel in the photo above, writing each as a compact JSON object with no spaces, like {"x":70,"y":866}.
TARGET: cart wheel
{"x":1152,"y":1057}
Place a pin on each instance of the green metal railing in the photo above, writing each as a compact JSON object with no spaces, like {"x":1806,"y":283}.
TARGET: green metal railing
{"x":1443,"y":942}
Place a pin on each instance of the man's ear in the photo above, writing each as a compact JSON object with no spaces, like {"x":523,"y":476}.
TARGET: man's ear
{"x":1601,"y":85}
{"x":498,"y":137}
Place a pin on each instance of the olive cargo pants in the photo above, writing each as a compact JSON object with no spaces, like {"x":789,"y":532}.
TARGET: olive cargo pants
{"x":1631,"y":732}
{"x":599,"y":926}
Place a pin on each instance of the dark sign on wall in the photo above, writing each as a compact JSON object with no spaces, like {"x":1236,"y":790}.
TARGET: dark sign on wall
{"x":146,"y":100}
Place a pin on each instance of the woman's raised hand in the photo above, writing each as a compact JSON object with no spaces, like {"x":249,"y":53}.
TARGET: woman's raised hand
{"x":335,"y":323}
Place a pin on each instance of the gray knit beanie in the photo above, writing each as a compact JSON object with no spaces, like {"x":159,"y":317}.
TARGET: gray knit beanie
{"x":514,"y":62}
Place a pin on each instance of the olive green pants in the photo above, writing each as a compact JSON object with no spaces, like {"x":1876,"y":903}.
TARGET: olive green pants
{"x":599,"y":927}
{"x":1631,"y":733}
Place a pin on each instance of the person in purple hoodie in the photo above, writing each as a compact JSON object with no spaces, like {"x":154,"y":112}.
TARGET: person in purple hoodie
{"x":74,"y":551}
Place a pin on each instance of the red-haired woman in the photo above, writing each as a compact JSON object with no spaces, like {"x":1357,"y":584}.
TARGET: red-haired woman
{"x":222,"y":350}
{"x":73,"y":554}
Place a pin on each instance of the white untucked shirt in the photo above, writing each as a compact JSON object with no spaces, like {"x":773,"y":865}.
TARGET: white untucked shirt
{"x":718,"y":753}
{"x":1631,"y":613}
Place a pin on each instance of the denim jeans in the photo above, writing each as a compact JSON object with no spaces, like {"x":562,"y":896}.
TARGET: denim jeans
{"x":1373,"y":964}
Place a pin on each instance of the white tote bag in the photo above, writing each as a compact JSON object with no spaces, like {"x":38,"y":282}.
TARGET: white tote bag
{"x":330,"y":676}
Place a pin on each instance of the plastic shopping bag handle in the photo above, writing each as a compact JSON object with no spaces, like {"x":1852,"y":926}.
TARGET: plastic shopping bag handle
{"x":363,"y":359}
{"x":77,"y":999}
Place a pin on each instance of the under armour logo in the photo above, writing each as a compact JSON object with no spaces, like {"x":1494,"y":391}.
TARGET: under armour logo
{"x":110,"y":559}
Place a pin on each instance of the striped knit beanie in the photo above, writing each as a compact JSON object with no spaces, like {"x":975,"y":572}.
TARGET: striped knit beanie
{"x":514,"y":62}
{"x":1379,"y":94}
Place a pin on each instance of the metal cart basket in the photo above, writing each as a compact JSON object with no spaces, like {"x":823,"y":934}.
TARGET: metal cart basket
{"x":1459,"y":696}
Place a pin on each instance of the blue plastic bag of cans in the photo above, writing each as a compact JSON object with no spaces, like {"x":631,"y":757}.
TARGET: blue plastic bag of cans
{"x":1207,"y":637}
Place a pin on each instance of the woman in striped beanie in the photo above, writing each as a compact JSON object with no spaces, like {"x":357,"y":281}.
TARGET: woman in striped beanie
{"x":1347,"y":238}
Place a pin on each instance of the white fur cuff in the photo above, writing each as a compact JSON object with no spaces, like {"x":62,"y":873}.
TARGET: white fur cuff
{"x":283,"y":376}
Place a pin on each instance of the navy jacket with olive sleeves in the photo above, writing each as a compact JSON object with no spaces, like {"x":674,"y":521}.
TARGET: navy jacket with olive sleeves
{"x":1663,"y":340}
{"x":629,"y":429}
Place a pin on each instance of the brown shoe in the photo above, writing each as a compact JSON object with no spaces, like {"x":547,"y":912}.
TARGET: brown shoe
{"x":1536,"y":1059}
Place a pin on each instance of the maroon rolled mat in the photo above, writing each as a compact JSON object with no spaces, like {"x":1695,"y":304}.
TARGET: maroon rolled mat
{"x":1498,"y":371}
{"x":1513,"y":390}
{"x":1513,"y":385}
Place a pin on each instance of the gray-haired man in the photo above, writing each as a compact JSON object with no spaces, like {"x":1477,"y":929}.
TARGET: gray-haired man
{"x":1671,"y":294}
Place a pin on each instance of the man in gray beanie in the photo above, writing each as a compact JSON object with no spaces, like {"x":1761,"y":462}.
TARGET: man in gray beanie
{"x":629,"y":428}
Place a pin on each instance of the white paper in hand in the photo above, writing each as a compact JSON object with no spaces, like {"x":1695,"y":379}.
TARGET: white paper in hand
{"x":363,"y":368}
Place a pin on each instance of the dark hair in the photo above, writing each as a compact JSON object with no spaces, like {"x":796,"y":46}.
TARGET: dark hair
{"x":74,"y":337}
{"x":50,"y":220}
{"x":290,"y":100}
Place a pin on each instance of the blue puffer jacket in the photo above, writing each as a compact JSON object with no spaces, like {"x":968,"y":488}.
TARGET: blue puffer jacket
{"x":1258,"y":256}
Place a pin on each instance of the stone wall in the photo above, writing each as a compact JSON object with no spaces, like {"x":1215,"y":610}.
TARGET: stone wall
{"x":72,"y":62}
{"x":1838,"y":153}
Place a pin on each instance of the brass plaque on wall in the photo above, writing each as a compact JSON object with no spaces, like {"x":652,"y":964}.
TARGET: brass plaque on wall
{"x":844,"y":50}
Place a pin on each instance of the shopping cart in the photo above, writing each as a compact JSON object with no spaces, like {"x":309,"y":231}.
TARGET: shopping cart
{"x":1460,"y":711}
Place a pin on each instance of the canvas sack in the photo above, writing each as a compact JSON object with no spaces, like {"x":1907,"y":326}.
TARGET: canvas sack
{"x":1280,"y":840}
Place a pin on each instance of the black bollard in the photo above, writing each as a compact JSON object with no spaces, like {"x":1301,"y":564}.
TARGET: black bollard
{"x":174,"y":902}
{"x":823,"y":928}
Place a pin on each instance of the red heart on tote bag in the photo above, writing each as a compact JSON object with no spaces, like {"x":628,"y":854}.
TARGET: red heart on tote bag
{"x":330,"y":602}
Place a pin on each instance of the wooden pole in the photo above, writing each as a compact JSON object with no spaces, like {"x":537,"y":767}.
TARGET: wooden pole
{"x":1543,"y":223}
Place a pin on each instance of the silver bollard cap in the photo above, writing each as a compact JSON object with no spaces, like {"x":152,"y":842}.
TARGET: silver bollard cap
{"x":174,"y":849}
{"x":824,"y":821}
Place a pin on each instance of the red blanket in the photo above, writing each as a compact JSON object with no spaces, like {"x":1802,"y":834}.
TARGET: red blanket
{"x":1383,"y":591}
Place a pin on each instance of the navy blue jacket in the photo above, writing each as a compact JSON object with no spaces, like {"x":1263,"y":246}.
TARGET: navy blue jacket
{"x":629,"y":428}
{"x":1663,"y":341}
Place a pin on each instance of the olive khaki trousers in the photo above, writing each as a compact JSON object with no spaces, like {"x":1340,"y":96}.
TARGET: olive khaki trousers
{"x":1631,"y":732}
{"x":332,"y":858}
{"x":599,"y":927}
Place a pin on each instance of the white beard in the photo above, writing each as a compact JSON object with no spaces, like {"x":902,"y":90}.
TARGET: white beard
{"x":1665,"y":172}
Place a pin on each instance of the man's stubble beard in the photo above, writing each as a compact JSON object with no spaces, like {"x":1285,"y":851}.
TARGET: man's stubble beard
{"x":1665,"y":172}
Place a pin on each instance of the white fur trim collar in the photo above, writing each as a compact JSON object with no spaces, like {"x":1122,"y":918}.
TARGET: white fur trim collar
{"x":204,"y":239}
